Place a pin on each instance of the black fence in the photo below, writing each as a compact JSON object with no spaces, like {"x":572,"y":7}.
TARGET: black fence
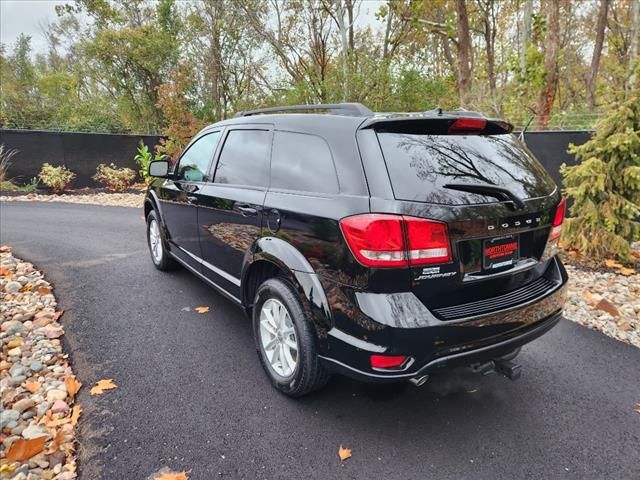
{"x":83,"y":152}
{"x":80,"y":152}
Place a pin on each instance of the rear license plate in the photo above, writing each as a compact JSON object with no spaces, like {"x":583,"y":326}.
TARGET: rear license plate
{"x":500,"y":252}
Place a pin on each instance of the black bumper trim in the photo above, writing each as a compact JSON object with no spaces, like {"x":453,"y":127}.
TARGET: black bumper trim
{"x":456,"y":359}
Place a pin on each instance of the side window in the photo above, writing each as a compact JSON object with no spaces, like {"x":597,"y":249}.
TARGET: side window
{"x":302,"y":162}
{"x":244,"y":158}
{"x":192,"y":166}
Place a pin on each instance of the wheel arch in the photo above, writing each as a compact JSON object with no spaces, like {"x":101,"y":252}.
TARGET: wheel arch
{"x":273,"y":257}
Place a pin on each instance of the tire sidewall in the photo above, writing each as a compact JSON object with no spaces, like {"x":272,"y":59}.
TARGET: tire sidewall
{"x":281,"y":290}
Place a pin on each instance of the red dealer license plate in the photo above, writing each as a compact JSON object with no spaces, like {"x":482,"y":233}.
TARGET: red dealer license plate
{"x":500,"y":252}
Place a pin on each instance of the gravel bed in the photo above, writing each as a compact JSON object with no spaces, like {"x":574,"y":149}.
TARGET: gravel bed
{"x":37,"y":415}
{"x":107,"y":199}
{"x":605,"y":301}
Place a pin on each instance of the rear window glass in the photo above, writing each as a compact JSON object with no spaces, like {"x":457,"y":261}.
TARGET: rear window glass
{"x":302,"y":162}
{"x":420,"y":165}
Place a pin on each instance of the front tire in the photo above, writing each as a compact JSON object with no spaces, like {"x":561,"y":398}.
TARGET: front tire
{"x":157,"y":244}
{"x":285,"y":341}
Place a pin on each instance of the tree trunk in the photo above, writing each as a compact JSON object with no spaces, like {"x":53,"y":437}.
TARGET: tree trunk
{"x":489,"y":19}
{"x":634,"y":57}
{"x":597,"y":51}
{"x":464,"y":53}
{"x":344,"y":43}
{"x":551,"y":50}
{"x":525,"y":34}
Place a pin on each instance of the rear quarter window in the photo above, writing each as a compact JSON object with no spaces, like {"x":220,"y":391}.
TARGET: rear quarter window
{"x":420,"y":165}
{"x":302,"y":162}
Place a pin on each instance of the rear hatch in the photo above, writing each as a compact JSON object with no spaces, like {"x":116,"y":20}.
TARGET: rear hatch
{"x":496,"y":199}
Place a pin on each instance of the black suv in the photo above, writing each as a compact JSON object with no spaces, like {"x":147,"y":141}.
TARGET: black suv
{"x":382,"y":246}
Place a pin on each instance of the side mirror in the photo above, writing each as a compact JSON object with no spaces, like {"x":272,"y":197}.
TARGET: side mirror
{"x":159,"y":168}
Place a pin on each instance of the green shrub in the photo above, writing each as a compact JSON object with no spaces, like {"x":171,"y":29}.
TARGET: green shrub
{"x":605,"y":187}
{"x":56,"y":178}
{"x":116,"y":179}
{"x":143,"y":158}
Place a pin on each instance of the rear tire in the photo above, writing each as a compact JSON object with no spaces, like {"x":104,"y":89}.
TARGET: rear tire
{"x":279,"y":324}
{"x":157,"y":244}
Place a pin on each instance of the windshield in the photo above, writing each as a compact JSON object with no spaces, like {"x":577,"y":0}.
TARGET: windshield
{"x":420,"y":165}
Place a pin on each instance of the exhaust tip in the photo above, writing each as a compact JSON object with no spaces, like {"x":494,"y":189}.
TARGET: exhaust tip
{"x":419,"y":381}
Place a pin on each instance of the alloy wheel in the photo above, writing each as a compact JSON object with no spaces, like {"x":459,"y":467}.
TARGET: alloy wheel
{"x":278,"y":338}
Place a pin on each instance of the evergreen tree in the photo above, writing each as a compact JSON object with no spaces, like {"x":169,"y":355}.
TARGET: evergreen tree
{"x":605,"y":186}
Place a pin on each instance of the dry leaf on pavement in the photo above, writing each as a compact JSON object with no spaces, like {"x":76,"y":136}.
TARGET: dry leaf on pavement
{"x":75,"y":414}
{"x":637,"y":408}
{"x":32,"y":387}
{"x":102,"y":385}
{"x":73,"y":385}
{"x":168,"y":475}
{"x":22,"y":449}
{"x":202,"y":309}
{"x":344,"y":453}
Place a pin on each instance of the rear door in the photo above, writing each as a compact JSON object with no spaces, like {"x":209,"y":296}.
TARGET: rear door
{"x":230,"y":207}
{"x":179,"y":197}
{"x":494,"y":196}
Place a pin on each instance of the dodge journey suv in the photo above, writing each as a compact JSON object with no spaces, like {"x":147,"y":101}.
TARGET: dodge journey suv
{"x":381,"y":246}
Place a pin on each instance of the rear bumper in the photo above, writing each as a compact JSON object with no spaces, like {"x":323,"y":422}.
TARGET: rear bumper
{"x":431,"y":342}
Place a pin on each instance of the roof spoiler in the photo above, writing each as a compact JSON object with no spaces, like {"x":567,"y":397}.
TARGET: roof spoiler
{"x":439,"y":123}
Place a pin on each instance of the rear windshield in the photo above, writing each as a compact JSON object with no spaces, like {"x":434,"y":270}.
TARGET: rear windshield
{"x":420,"y":165}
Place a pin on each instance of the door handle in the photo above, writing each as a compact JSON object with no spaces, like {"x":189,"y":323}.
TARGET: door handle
{"x":247,"y":211}
{"x":192,"y":199}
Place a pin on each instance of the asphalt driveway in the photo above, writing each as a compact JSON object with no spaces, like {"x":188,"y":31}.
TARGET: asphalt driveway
{"x":192,"y":395}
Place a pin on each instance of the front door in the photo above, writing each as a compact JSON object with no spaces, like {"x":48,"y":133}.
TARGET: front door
{"x":230,"y":208}
{"x":179,"y":198}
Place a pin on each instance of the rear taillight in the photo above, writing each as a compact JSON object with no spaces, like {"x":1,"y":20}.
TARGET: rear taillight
{"x":387,"y":361}
{"x":556,"y":227}
{"x":387,"y":241}
{"x":467,"y":125}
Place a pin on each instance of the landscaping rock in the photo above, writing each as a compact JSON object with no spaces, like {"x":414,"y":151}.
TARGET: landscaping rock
{"x":33,"y":369}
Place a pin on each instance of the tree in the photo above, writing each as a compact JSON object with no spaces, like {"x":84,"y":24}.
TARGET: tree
{"x":547,"y":95}
{"x":465,"y":55}
{"x":597,"y":50}
{"x":605,"y":187}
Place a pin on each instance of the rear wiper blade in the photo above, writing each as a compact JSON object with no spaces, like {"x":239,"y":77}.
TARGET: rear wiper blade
{"x":489,"y":190}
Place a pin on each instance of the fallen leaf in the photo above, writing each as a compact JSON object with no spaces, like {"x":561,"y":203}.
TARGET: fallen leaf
{"x":57,"y":315}
{"x":637,"y":408}
{"x":612,"y":263}
{"x":103,"y":385}
{"x":57,"y":422}
{"x":23,"y":449}
{"x":626,"y":271}
{"x":202,"y":309}
{"x":7,"y":468}
{"x":344,"y":453}
{"x":32,"y":387}
{"x":75,"y":414}
{"x":588,"y":296}
{"x":72,"y":385}
{"x":606,"y":306}
{"x":44,"y":290}
{"x":58,"y":440}
{"x":168,"y":475}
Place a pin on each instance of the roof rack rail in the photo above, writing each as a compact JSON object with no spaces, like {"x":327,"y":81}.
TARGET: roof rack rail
{"x":351,"y":109}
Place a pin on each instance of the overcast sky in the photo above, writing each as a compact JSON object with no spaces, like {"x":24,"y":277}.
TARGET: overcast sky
{"x":29,"y":17}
